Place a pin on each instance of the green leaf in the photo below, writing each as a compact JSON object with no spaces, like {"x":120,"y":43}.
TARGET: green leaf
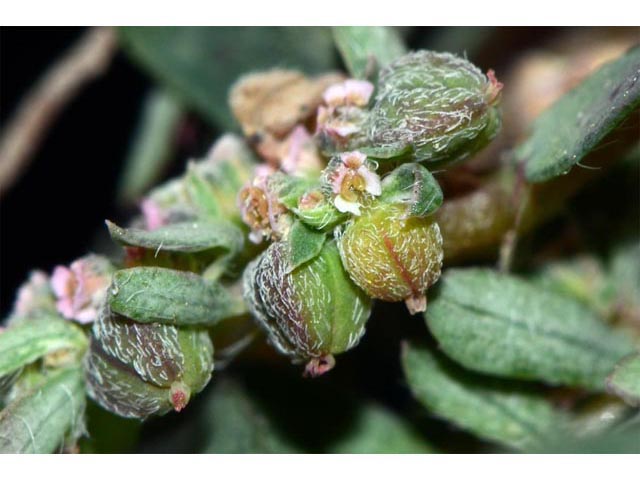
{"x":170,"y":297}
{"x":624,"y":381}
{"x":39,"y":421}
{"x":501,"y":325}
{"x":234,"y":423}
{"x":412,"y":185}
{"x":201,"y":194}
{"x":508,"y":413}
{"x":361,"y":45}
{"x":376,"y":430}
{"x":187,"y":237}
{"x":152,"y":146}
{"x":305,"y":244}
{"x":28,"y":341}
{"x":582,"y":118}
{"x":200,"y":63}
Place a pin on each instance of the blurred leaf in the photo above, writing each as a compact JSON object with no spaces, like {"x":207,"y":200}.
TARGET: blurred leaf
{"x":582,"y":118}
{"x":39,"y":421}
{"x":464,"y":41}
{"x":305,"y":243}
{"x":28,"y":341}
{"x":235,"y":424}
{"x":201,"y":194}
{"x":152,"y":145}
{"x":376,"y":430}
{"x":201,"y":63}
{"x":501,"y":325}
{"x":507,"y":413}
{"x":109,"y":433}
{"x":169,"y":297}
{"x":187,"y":237}
{"x":613,"y":441}
{"x":624,"y":381}
{"x":360,"y":45}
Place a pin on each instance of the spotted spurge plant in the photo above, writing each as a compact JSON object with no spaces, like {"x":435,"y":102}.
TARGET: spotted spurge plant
{"x":405,"y":186}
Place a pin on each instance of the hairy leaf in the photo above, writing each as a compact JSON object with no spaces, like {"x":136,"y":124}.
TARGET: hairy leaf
{"x":580,"y":120}
{"x":28,"y":341}
{"x":624,"y":381}
{"x":508,"y":413}
{"x":170,"y":297}
{"x":359,"y":46}
{"x":501,"y":325}
{"x":200,"y":63}
{"x":39,"y":421}
{"x":236,"y":424}
{"x":305,"y":244}
{"x":412,"y":185}
{"x":187,"y":237}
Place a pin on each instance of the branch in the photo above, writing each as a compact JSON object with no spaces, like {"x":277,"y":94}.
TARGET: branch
{"x":87,"y":59}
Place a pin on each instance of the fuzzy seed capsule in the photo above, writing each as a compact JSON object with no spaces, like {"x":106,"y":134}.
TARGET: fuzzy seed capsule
{"x":135,"y":370}
{"x":391,"y":256}
{"x":310,"y":313}
{"x":433,"y":107}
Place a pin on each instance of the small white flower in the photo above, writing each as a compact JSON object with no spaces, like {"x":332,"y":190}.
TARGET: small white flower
{"x":351,"y":181}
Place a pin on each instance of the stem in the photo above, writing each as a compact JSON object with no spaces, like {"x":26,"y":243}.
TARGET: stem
{"x":87,"y":59}
{"x":474,"y":226}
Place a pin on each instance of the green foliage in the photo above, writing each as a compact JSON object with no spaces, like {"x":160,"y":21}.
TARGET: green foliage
{"x":199,"y":64}
{"x":501,"y":325}
{"x":413,"y":185}
{"x":41,"y":419}
{"x":170,"y":297}
{"x":305,"y":244}
{"x":366,"y":49}
{"x":624,"y":381}
{"x":152,"y":145}
{"x":511,"y":414}
{"x":581,"y":119}
{"x":23,"y":344}
{"x":186,"y":237}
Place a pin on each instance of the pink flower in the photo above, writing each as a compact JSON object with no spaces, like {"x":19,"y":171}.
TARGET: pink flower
{"x":348,"y":93}
{"x":81,"y":288}
{"x":154,"y":216}
{"x":301,"y":155}
{"x":351,"y":181}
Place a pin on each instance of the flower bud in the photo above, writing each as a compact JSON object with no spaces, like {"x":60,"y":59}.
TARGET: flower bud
{"x":81,"y":288}
{"x":433,"y":107}
{"x":136,"y":370}
{"x":310,"y":313}
{"x":342,"y":119}
{"x":392,"y":256}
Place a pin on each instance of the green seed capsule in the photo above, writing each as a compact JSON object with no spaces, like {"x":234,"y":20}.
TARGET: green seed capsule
{"x":310,"y":313}
{"x":136,"y":370}
{"x":391,"y":256}
{"x":433,"y":107}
